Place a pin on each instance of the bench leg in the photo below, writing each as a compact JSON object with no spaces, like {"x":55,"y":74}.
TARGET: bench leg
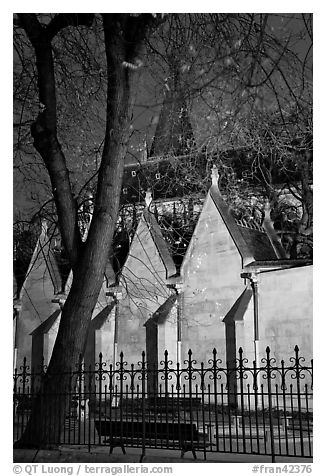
{"x":186,"y":448}
{"x":114,"y":444}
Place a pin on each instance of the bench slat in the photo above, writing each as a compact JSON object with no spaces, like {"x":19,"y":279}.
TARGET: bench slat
{"x":158,"y":430}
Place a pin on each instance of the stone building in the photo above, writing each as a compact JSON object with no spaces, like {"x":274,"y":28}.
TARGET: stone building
{"x":235,"y":287}
{"x":143,"y":280}
{"x":228,"y":285}
{"x":238,"y":288}
{"x":37,"y":310}
{"x":34,"y":303}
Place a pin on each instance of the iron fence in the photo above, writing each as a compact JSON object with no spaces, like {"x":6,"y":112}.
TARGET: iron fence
{"x":237,"y":408}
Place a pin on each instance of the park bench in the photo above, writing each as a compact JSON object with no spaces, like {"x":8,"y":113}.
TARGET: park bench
{"x":173,"y":405}
{"x":121,"y":433}
{"x":158,"y":405}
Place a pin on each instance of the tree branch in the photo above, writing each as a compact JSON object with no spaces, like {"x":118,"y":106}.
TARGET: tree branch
{"x":63,"y":20}
{"x":44,"y":133}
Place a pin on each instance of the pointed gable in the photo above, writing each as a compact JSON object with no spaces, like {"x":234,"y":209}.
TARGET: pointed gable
{"x":144,"y":284}
{"x":149,"y":259}
{"x":232,"y":227}
{"x":43,"y":266}
{"x":42,"y":280}
{"x":149,"y":250}
{"x":41,"y":283}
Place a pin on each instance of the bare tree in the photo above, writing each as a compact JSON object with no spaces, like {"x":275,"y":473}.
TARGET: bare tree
{"x":124,"y":35}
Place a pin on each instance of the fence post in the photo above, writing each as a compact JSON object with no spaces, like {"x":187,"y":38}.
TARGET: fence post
{"x":241,"y":374}
{"x":15,"y":393}
{"x":202,"y":388}
{"x":255,"y":389}
{"x":298,"y":377}
{"x":143,"y":395}
{"x":80,"y":373}
{"x":24,"y":379}
{"x":91,"y":407}
{"x":166,"y":389}
{"x":190,"y":376}
{"x":121,"y":400}
{"x":214,"y":362}
{"x":100,"y":374}
{"x":16,"y":402}
{"x":269,"y":375}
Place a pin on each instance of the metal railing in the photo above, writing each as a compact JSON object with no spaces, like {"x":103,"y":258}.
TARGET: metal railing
{"x":237,"y":408}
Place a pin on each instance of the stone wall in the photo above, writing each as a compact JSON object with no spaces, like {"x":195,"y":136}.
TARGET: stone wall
{"x":286,"y":311}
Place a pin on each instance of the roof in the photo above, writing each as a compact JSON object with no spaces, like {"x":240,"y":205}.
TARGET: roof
{"x":162,"y":175}
{"x":253,"y":243}
{"x":259,"y":243}
{"x":238,"y":309}
{"x":43,"y":253}
{"x":272,"y":265}
{"x":160,"y":242}
{"x":47,"y":324}
{"x":162,"y":313}
{"x":100,"y":318}
{"x":53,"y":268}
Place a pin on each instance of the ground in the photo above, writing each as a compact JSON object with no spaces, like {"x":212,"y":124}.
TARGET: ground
{"x":80,"y":454}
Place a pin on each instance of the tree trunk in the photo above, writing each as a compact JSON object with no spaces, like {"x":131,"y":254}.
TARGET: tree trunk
{"x":90,"y":261}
